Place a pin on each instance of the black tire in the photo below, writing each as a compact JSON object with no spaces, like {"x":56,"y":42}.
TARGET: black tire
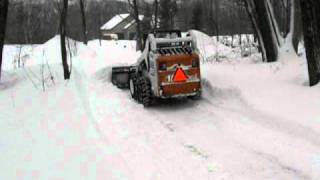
{"x":197,"y":96}
{"x":139,"y":90}
{"x":145,"y":96}
{"x":133,"y":87}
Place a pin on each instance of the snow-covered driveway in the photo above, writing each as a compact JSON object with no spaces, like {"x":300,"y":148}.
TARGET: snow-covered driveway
{"x":218,"y":137}
{"x":254,"y":121}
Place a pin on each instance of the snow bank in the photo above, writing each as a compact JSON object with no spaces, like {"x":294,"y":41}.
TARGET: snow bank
{"x":209,"y":48}
{"x":32,"y":55}
{"x":95,"y":56}
{"x":108,"y":54}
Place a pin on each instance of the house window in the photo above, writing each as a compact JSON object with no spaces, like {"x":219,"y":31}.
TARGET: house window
{"x":121,"y":36}
{"x":132,"y":36}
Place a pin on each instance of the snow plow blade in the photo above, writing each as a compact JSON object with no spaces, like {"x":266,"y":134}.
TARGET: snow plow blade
{"x":121,"y":75}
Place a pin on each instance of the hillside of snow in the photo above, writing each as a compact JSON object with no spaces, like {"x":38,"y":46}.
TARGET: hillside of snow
{"x":254,"y":121}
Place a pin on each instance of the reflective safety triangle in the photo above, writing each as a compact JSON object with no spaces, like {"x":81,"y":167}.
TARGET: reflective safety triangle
{"x":180,"y":75}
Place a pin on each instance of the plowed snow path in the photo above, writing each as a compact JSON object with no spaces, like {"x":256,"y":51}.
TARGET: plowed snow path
{"x":145,"y":146}
{"x":89,"y":129}
{"x":218,"y":137}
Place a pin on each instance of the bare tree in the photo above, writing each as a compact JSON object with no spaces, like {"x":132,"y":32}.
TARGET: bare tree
{"x":3,"y":21}
{"x":217,"y":14}
{"x":298,"y":31}
{"x":62,"y":29}
{"x":133,"y":5}
{"x":84,"y":24}
{"x":17,"y":58}
{"x":168,"y":11}
{"x":254,"y":20}
{"x":100,"y":23}
{"x":270,"y":36}
{"x":311,"y":22}
{"x":156,"y":14}
{"x":263,"y":24}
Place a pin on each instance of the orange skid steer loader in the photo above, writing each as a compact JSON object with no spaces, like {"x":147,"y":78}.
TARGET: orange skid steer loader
{"x":169,"y":67}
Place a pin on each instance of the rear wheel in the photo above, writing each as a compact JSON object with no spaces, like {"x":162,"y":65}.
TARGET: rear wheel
{"x":145,"y":92}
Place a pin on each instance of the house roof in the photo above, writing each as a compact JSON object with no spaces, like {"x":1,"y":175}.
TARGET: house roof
{"x":117,"y":19}
{"x":113,"y":22}
{"x":133,"y":21}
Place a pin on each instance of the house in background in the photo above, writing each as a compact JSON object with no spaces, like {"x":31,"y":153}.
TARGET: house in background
{"x":121,"y":26}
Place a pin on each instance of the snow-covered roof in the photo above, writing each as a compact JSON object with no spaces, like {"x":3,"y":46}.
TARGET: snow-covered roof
{"x":114,"y":21}
{"x":133,"y":21}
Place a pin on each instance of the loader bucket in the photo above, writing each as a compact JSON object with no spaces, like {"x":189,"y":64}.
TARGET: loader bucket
{"x":120,"y":76}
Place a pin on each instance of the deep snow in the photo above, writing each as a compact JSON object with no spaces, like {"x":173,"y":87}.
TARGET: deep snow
{"x":255,"y":120}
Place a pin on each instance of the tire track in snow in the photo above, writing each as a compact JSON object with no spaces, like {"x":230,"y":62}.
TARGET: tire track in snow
{"x":267,"y":158}
{"x":288,"y":128}
{"x":286,"y":168}
{"x":184,"y":110}
{"x":242,"y":107}
{"x":278,"y":124}
{"x":275,"y":161}
{"x":263,"y":120}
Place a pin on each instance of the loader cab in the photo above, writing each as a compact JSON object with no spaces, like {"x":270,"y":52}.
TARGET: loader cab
{"x":164,"y":34}
{"x":168,"y":34}
{"x":173,"y":65}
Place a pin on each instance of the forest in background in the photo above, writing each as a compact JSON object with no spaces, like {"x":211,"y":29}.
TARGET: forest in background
{"x":277,"y":25}
{"x":34,"y":22}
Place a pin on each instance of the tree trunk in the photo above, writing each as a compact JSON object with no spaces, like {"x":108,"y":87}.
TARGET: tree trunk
{"x":19,"y":57}
{"x":311,"y":27}
{"x":84,"y":24}
{"x":100,"y":23}
{"x":137,"y":19}
{"x":297,"y":31}
{"x":3,"y":21}
{"x":265,"y":27}
{"x":217,"y":14}
{"x":62,"y":28}
{"x":258,"y":34}
{"x":293,"y":26}
{"x":156,"y":14}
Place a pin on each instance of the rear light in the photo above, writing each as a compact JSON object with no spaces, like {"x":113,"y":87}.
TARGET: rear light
{"x":195,"y":63}
{"x":162,"y":66}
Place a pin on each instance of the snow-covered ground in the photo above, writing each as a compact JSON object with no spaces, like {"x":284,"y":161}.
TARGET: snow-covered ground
{"x":255,"y":120}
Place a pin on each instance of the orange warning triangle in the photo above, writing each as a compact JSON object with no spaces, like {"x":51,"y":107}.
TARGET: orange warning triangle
{"x":180,"y":75}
